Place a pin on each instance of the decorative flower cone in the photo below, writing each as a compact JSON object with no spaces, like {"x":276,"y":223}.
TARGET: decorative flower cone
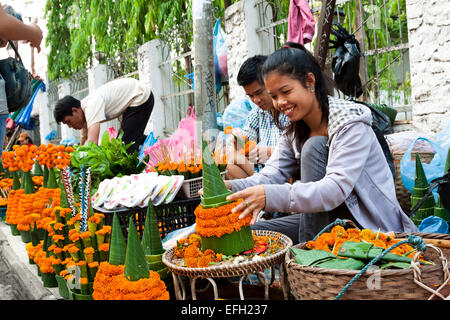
{"x":37,"y":171}
{"x":151,"y":239}
{"x":89,"y":254}
{"x":135,"y":263}
{"x":51,"y":182}
{"x":214,"y":197}
{"x":93,"y":267}
{"x":16,"y":181}
{"x":117,"y":247}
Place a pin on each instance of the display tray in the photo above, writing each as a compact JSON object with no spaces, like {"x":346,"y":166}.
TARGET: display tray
{"x":172,"y":216}
{"x":226,"y":270}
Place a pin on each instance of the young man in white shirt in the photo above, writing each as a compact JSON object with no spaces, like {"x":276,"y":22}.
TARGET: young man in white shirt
{"x":127,"y":99}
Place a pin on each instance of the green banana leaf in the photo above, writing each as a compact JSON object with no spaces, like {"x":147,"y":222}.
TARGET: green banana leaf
{"x":367,"y":251}
{"x":117,"y":248}
{"x":214,"y":189}
{"x":37,"y":169}
{"x":324,"y":259}
{"x":229,"y":244}
{"x":420,"y":180}
{"x":27,"y":183}
{"x":310,"y":257}
{"x":136,"y":266}
{"x":16,"y":181}
{"x":151,"y":239}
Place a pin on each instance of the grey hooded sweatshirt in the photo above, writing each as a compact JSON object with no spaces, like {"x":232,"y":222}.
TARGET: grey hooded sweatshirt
{"x":357,"y":173}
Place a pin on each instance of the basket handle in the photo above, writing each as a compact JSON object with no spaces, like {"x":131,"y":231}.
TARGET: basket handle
{"x":417,"y":273}
{"x":338,"y":221}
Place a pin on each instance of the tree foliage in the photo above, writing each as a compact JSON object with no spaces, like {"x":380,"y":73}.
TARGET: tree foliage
{"x":77,"y":28}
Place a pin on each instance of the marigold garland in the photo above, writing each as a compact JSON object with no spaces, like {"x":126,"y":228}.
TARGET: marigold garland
{"x":334,"y":239}
{"x":110,"y":284}
{"x":215,"y":222}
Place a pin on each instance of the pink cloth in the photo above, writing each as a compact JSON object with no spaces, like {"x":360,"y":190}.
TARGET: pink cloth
{"x":301,"y":23}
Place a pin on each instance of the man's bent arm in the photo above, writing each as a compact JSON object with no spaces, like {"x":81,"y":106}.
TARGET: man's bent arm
{"x":93,"y":132}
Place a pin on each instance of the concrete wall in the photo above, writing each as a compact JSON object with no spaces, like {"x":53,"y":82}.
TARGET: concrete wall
{"x":429,"y":50}
{"x":241,"y":21}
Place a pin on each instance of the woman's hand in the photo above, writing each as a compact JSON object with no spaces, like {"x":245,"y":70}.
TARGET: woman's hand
{"x":254,"y":201}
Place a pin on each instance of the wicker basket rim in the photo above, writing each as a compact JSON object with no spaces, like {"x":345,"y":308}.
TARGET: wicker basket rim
{"x":247,"y":265}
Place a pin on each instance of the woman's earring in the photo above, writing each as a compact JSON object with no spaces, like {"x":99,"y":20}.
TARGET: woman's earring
{"x":312,"y":88}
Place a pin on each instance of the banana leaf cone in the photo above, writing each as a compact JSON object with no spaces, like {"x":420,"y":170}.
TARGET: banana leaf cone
{"x":420,"y":180}
{"x":16,"y":181}
{"x":45,"y":175}
{"x":214,"y":189}
{"x":51,"y":182}
{"x":367,"y":251}
{"x":117,"y":247}
{"x":439,"y":211}
{"x":64,"y":203}
{"x":37,"y":171}
{"x":214,"y":195}
{"x":27,"y":183}
{"x":135,"y":263}
{"x":151,"y":238}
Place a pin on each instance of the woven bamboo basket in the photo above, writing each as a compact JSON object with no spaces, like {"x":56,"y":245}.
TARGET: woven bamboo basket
{"x":403,"y":194}
{"x":313,"y":283}
{"x":231,"y":270}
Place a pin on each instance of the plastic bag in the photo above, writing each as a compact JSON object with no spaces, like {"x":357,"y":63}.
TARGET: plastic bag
{"x":149,"y":141}
{"x":433,"y":224}
{"x":443,"y":137}
{"x":220,"y":55}
{"x":186,"y":131}
{"x":345,"y":61}
{"x":433,"y":170}
{"x":236,"y":113}
{"x":170,"y":240}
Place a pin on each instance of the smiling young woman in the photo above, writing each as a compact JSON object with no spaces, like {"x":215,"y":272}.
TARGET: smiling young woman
{"x":331,"y":146}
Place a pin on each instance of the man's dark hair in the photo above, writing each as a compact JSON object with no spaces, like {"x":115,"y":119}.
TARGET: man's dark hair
{"x":63,"y":107}
{"x":250,"y":71}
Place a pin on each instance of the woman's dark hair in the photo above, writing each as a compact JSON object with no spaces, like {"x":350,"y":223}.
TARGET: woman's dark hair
{"x":63,"y":107}
{"x":295,"y":61}
{"x":250,"y":71}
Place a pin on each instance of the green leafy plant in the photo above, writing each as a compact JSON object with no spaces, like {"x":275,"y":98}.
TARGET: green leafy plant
{"x":107,"y":160}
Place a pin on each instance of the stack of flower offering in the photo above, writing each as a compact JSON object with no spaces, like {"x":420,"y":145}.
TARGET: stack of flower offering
{"x":220,"y":230}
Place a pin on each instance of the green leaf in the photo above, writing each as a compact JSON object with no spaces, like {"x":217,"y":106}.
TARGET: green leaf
{"x":117,"y":248}
{"x":136,"y":266}
{"x":151,"y":239}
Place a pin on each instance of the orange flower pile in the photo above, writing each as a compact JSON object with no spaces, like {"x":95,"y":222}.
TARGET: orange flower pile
{"x":111,"y":284}
{"x":333,"y":240}
{"x":9,"y":161}
{"x":12,"y":211}
{"x":38,"y":180}
{"x":189,"y":249}
{"x":188,"y":170}
{"x":54,"y":156}
{"x":6,"y":183}
{"x":33,"y":250}
{"x":25,"y":156}
{"x":215,"y":222}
